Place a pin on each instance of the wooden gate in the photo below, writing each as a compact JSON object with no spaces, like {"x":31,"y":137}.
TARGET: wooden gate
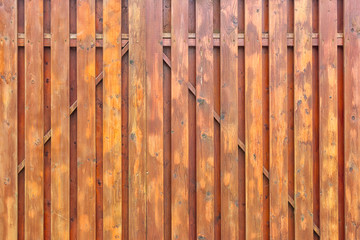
{"x":179,"y":119}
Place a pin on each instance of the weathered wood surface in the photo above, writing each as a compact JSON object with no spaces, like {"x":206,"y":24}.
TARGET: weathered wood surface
{"x":279,"y":139}
{"x":351,"y":117}
{"x":204,"y":121}
{"x":154,"y":121}
{"x":86,"y":148}
{"x":8,"y":118}
{"x":254,"y":156}
{"x":60,"y":121}
{"x":177,"y":119}
{"x":229,"y":120}
{"x":112,"y":164}
{"x":303,"y":120}
{"x":34,"y":120}
{"x":328,"y":86}
{"x":137,"y":120}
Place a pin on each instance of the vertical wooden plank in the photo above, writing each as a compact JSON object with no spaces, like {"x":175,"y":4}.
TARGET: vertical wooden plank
{"x":112,"y":164}
{"x":352,"y":117}
{"x":229,"y":119}
{"x":204,"y":120}
{"x":86,"y":152}
{"x":253,"y":119}
{"x":99,"y":139}
{"x":8,"y":119}
{"x":137,"y":120}
{"x":60,"y":120}
{"x":154,"y":121}
{"x":303,"y":120}
{"x":329,"y":220}
{"x":34,"y":120}
{"x":179,"y":121}
{"x":47,"y":128}
{"x":279,"y":140}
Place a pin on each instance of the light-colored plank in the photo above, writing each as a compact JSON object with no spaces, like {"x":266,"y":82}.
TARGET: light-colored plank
{"x":60,"y":121}
{"x":229,"y":120}
{"x":137,"y":120}
{"x":8,"y":120}
{"x":279,"y":140}
{"x":179,"y":121}
{"x":86,"y":151}
{"x":204,"y":121}
{"x":154,"y":121}
{"x":253,"y":120}
{"x":328,"y":94}
{"x":303,"y":121}
{"x":34,"y":120}
{"x":112,"y":158}
{"x":352,"y":117}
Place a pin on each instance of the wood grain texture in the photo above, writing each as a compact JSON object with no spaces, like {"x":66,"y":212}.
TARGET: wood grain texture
{"x":253,"y":120}
{"x":229,"y":120}
{"x":60,"y":121}
{"x":352,"y":117}
{"x":112,"y":158}
{"x":154,"y":121}
{"x":8,"y":118}
{"x":279,"y":140}
{"x":328,"y":93}
{"x":204,"y":120}
{"x":34,"y":120}
{"x":303,"y":122}
{"x":86,"y":149}
{"x":179,"y":121}
{"x":137,"y":120}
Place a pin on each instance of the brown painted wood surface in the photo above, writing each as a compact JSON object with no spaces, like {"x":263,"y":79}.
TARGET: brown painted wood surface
{"x":351,"y":117}
{"x":328,"y":86}
{"x":279,"y":139}
{"x":60,"y":121}
{"x":86,"y":148}
{"x":34,"y":121}
{"x":204,"y":121}
{"x":112,"y":164}
{"x":125,"y":92}
{"x":8,"y":117}
{"x":303,"y":120}
{"x":254,"y":156}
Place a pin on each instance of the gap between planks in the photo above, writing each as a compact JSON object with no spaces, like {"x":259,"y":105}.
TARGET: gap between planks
{"x":192,"y":89}
{"x":191,"y":40}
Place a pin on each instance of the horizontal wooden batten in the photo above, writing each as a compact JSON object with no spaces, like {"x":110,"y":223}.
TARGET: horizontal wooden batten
{"x":191,"y":40}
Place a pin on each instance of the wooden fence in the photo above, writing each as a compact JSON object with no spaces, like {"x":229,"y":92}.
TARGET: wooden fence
{"x":179,"y":119}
